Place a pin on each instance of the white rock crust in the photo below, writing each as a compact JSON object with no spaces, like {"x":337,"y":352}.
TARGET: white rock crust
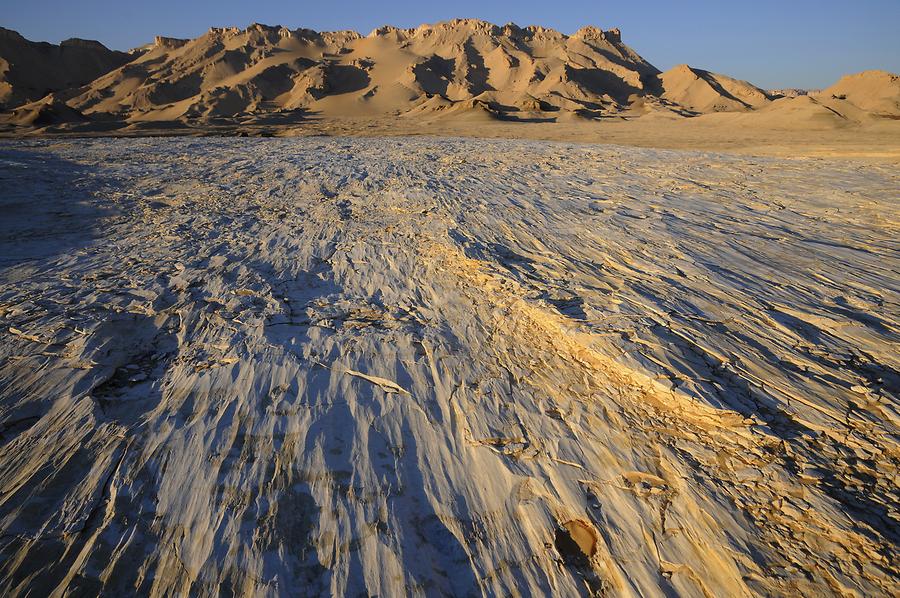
{"x":281,"y":367}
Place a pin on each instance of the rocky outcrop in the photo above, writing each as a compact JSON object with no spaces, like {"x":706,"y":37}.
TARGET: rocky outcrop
{"x":168,"y":43}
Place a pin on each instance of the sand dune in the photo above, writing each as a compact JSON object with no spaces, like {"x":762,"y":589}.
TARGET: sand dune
{"x":463,"y":71}
{"x":290,"y":367}
{"x":701,"y":91}
{"x":873,"y":91}
{"x":228,"y":72}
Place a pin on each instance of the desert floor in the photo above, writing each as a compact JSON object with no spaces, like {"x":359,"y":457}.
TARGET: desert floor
{"x":717,"y":132}
{"x":732,"y":133}
{"x":426,"y":366}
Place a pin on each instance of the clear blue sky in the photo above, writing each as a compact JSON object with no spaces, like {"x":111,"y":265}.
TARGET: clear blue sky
{"x":773,"y":43}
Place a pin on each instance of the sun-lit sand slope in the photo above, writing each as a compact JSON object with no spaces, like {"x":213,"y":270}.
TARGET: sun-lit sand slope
{"x":445,"y":367}
{"x":465,"y":71}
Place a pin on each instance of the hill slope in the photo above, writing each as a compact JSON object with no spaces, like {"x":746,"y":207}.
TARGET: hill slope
{"x":462,"y":63}
{"x":30,"y":70}
{"x":703,"y":91}
{"x":873,"y":91}
{"x":465,"y":70}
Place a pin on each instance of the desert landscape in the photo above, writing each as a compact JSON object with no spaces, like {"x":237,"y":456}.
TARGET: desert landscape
{"x":458,"y":78}
{"x":457,"y":310}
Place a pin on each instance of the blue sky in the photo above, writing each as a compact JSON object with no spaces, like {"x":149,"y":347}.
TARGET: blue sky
{"x":773,"y":43}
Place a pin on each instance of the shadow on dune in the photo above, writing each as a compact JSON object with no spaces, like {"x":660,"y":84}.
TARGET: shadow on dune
{"x":477,"y":76}
{"x":434,"y":74}
{"x":599,"y":82}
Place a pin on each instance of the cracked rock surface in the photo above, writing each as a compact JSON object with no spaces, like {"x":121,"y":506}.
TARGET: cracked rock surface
{"x":290,"y":367}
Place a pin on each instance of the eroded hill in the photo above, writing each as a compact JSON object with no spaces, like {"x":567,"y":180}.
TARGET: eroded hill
{"x":464,"y":71}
